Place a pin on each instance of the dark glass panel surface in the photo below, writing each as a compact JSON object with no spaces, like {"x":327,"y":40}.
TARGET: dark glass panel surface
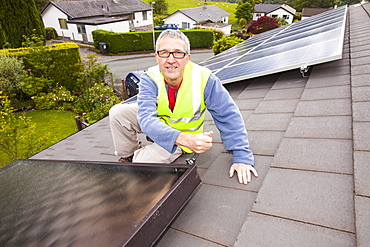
{"x":51,"y":203}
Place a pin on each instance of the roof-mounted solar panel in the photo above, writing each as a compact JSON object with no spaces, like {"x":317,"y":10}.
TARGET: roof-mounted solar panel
{"x":316,"y":40}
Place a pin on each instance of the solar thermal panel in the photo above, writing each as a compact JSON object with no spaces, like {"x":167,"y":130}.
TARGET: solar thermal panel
{"x":305,"y":43}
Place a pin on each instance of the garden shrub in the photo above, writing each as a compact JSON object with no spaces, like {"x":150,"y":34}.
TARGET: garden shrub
{"x":51,"y":33}
{"x":17,"y":133}
{"x":218,"y":34}
{"x":143,"y":41}
{"x":225,"y":43}
{"x":94,"y":98}
{"x":55,"y":62}
{"x":11,"y":76}
{"x":33,"y":85}
{"x":59,"y":99}
{"x":94,"y":103}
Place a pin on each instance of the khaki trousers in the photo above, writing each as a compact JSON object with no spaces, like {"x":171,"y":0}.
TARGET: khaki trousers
{"x":125,"y":129}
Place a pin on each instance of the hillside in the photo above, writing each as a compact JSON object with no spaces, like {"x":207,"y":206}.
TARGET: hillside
{"x":183,"y":4}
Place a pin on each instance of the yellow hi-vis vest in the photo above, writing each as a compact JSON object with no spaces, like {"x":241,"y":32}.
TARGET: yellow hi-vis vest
{"x":189,"y":111}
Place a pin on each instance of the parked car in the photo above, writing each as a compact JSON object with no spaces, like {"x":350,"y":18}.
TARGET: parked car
{"x":167,"y":26}
{"x":131,"y":83}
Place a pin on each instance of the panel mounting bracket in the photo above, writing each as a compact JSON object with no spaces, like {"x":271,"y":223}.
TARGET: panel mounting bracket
{"x":305,"y":70}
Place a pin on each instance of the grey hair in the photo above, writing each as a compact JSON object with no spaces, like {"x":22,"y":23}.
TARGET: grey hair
{"x":175,"y":34}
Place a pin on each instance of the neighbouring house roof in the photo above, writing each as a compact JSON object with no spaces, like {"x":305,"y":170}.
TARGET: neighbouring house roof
{"x":268,"y":8}
{"x":98,"y":20}
{"x":308,"y":12}
{"x":95,"y":8}
{"x":215,"y":25}
{"x":203,"y":14}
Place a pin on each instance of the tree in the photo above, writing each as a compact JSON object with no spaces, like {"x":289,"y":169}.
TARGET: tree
{"x":19,"y":18}
{"x":263,"y":24}
{"x":160,"y":7}
{"x":242,"y":22}
{"x":40,"y":4}
{"x":245,"y":11}
{"x":300,"y":4}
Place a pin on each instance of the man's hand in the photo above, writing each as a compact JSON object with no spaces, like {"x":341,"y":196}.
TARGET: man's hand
{"x":243,"y":171}
{"x":198,"y":143}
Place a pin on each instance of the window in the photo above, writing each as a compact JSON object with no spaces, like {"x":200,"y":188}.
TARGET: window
{"x":286,"y":17}
{"x":145,"y":15}
{"x":185,"y":25}
{"x":275,"y":16}
{"x":63,"y":23}
{"x":81,"y":28}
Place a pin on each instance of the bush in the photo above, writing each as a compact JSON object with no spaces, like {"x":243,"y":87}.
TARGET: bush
{"x":58,"y":99}
{"x":263,"y":24}
{"x":200,"y":38}
{"x":93,"y":97}
{"x":54,"y":62}
{"x":51,"y":33}
{"x":143,"y":41}
{"x":218,"y":34}
{"x":33,"y":85}
{"x":11,"y":76}
{"x":94,"y":103}
{"x":225,"y":43}
{"x":17,"y":133}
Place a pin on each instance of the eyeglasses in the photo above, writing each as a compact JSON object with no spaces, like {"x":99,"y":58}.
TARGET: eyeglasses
{"x":175,"y":54}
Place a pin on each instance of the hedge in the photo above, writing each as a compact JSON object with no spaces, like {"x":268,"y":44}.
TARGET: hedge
{"x":143,"y":41}
{"x":60,"y":61}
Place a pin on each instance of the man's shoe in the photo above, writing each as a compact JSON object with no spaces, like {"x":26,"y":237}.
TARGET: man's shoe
{"x":126,"y":159}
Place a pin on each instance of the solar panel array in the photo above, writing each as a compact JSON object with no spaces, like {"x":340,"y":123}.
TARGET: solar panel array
{"x":315,"y":40}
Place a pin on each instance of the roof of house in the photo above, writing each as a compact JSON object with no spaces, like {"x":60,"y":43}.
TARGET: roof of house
{"x":268,"y":8}
{"x":94,"y":8}
{"x":307,"y":12}
{"x":203,"y":14}
{"x":310,"y":136}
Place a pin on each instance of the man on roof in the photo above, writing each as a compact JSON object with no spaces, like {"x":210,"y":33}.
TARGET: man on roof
{"x":170,"y":110}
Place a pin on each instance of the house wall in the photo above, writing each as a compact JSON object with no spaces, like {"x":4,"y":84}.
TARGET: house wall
{"x":50,"y":18}
{"x":279,"y":12}
{"x":257,"y":15}
{"x":181,"y":20}
{"x":51,"y":15}
{"x":139,"y":19}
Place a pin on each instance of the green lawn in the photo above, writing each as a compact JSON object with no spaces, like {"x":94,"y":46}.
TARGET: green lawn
{"x":57,"y":125}
{"x":173,"y":6}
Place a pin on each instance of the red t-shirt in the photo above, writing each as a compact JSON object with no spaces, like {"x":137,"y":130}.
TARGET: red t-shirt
{"x":172,"y":96}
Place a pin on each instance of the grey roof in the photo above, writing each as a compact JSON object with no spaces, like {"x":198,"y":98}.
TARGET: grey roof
{"x":307,"y":12}
{"x":310,"y":137}
{"x":205,"y":13}
{"x":267,"y":8}
{"x":94,"y":8}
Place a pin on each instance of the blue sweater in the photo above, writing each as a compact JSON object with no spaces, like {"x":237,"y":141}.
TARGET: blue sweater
{"x":221,"y":106}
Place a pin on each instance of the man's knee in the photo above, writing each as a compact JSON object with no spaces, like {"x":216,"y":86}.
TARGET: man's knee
{"x":123,"y":113}
{"x":114,"y":110}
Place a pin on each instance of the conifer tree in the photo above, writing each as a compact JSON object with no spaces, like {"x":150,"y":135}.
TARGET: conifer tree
{"x":19,"y":18}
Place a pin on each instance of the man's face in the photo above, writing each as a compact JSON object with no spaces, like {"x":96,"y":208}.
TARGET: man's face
{"x":172,"y":68}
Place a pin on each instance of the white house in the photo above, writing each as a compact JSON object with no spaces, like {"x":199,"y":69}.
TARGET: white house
{"x":77,"y":19}
{"x":274,"y":10}
{"x":202,"y":17}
